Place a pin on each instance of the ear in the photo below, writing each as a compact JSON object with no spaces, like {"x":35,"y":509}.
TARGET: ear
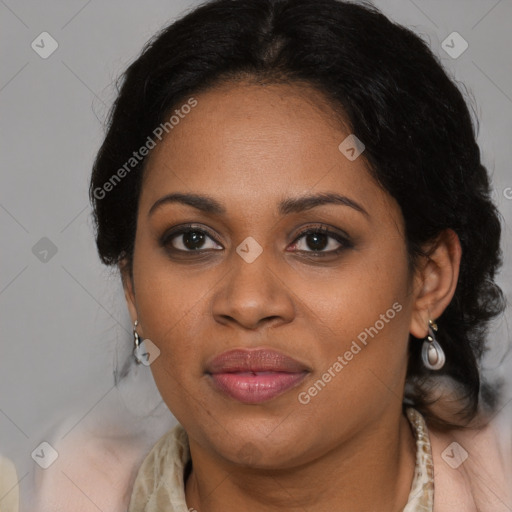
{"x":129,"y":290}
{"x":435,"y":281}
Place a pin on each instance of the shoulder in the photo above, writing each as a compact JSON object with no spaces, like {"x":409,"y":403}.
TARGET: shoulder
{"x":472,"y":470}
{"x":90,"y":473}
{"x":99,"y":452}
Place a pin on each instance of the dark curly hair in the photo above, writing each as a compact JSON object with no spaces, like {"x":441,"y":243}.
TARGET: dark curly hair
{"x":386,"y":84}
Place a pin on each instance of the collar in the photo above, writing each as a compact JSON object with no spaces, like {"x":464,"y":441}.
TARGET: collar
{"x":160,"y":484}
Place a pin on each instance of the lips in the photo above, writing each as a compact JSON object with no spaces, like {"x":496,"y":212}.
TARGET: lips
{"x":255,"y":360}
{"x":255,"y":376}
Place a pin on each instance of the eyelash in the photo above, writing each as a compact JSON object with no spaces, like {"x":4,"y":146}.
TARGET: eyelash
{"x":344,"y":241}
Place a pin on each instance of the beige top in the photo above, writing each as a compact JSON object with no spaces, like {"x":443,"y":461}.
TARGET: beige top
{"x":160,"y":486}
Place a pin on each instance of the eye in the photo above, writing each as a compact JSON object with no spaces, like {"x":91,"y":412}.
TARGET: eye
{"x":321,"y":240}
{"x":189,"y":239}
{"x":318,"y":241}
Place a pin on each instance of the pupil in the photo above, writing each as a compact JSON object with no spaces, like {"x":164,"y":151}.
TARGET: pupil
{"x":193,"y":239}
{"x":319,"y":241}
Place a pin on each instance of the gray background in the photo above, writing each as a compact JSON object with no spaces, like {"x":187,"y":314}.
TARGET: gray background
{"x":64,"y":320}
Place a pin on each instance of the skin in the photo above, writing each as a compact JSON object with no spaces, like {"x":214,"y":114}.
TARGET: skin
{"x":351,"y":448}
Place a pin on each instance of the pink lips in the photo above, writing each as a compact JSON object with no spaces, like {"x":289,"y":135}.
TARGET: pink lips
{"x":255,"y":376}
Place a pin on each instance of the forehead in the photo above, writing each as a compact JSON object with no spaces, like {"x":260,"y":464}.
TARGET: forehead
{"x":256,"y":142}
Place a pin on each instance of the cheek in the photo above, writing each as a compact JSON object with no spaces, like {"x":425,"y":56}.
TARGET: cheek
{"x":171,"y":314}
{"x":360,"y":291}
{"x":165,"y":294}
{"x":365,"y":312}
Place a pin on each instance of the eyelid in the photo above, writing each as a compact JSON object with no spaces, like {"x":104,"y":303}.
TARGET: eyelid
{"x":325,"y":229}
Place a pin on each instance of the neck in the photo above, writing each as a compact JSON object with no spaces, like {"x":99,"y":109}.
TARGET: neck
{"x":371,"y":471}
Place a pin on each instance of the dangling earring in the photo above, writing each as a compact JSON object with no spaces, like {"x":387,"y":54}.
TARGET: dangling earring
{"x":136,"y":342}
{"x":431,"y":352}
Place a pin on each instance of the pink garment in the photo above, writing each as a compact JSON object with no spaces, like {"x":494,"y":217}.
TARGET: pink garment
{"x":483,"y":481}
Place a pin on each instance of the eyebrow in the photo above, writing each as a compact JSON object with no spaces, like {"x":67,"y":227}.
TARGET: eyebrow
{"x":291,"y":205}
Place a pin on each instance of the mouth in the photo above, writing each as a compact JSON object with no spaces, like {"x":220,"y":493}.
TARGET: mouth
{"x":255,"y":376}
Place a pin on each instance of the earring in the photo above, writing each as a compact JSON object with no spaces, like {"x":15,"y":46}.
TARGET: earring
{"x":136,"y":342}
{"x":431,"y":352}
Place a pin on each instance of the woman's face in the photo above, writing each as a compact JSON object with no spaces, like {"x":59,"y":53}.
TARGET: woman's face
{"x":245,"y":277}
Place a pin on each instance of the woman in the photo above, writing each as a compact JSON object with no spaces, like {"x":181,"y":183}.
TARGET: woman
{"x":294,"y":196}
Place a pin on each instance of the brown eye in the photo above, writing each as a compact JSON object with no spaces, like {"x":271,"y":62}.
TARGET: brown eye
{"x":189,"y":239}
{"x":320,"y":240}
{"x":192,"y":239}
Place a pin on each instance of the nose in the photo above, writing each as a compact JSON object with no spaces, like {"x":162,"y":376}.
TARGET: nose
{"x":253,"y":295}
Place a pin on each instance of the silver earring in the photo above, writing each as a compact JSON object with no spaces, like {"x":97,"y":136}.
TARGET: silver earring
{"x":431,"y":352}
{"x":136,"y":342}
